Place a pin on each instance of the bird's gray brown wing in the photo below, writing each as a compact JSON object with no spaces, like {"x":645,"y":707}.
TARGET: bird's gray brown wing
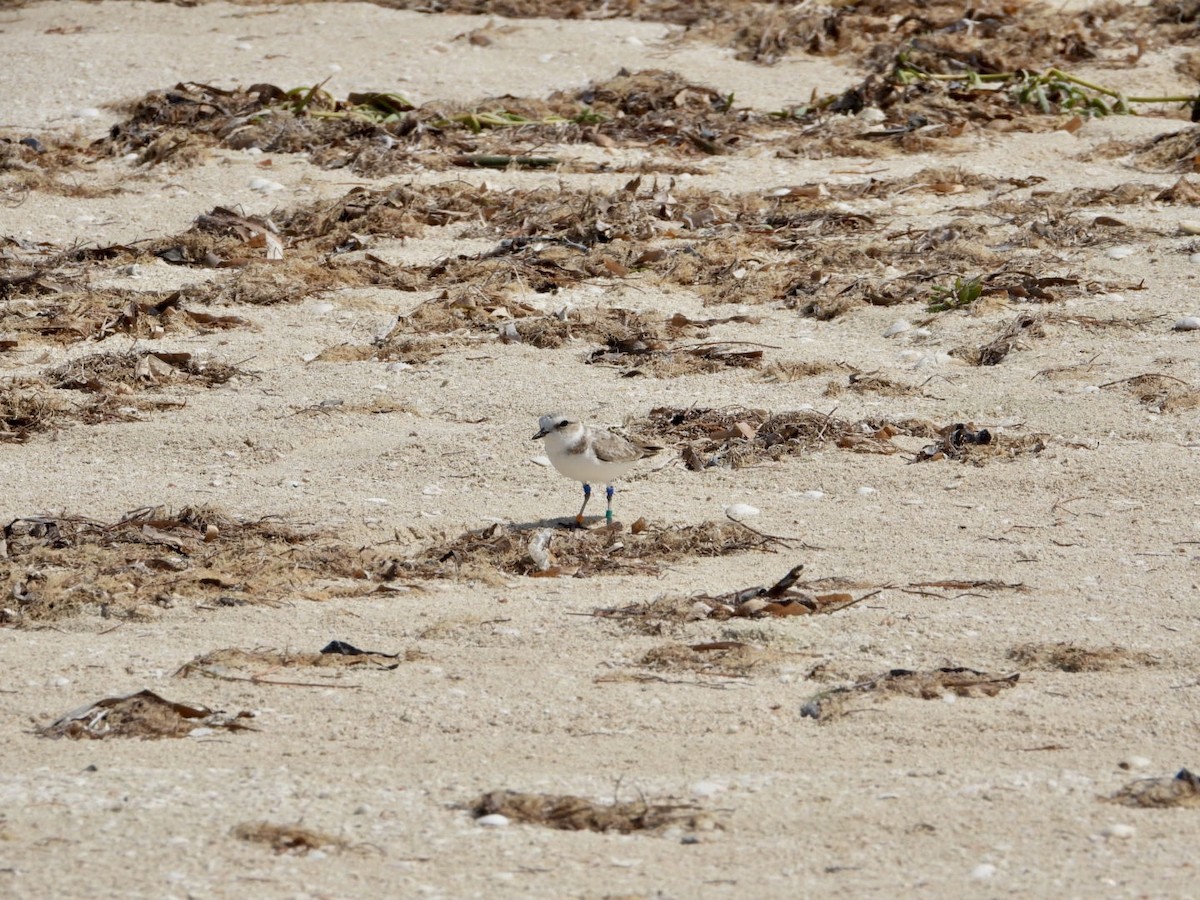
{"x":611,"y":447}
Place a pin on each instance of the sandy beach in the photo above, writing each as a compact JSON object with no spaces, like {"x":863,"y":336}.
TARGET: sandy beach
{"x":283,"y":291}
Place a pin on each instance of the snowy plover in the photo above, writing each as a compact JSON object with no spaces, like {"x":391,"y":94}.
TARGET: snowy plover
{"x":589,"y":454}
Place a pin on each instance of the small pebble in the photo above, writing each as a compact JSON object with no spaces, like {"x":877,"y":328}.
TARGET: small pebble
{"x":813,"y":495}
{"x":740,"y":510}
{"x":397,"y":367}
{"x":1119,"y":830}
{"x":866,"y":491}
{"x":898,"y":327}
{"x":1120,"y":252}
{"x":265,"y":185}
{"x":493,"y":820}
{"x":1194,"y":258}
{"x":983,"y":871}
{"x":1189,"y":226}
{"x":1188,"y":323}
{"x":706,"y":789}
{"x":872,"y":115}
{"x":433,"y":490}
{"x":243,"y":45}
{"x":382,"y":501}
{"x":1134,"y":763}
{"x":88,"y":112}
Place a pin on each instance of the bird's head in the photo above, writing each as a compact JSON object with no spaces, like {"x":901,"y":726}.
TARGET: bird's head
{"x":554,"y":422}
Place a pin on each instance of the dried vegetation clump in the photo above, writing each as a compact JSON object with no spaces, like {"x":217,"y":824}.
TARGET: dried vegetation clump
{"x":1066,"y":657}
{"x":1180,"y":791}
{"x":782,"y":599}
{"x":235,"y":664}
{"x":26,"y":410}
{"x":723,"y":659}
{"x":290,"y":839}
{"x":142,"y":715}
{"x":1158,"y":392}
{"x":570,"y":813}
{"x":375,"y":134}
{"x":550,"y":552}
{"x":928,"y":684}
{"x":734,"y":437}
{"x":156,"y":558}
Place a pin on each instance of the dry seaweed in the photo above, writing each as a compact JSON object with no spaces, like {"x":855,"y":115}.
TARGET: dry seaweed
{"x":142,"y":715}
{"x":570,"y":813}
{"x":735,"y":436}
{"x":1011,"y":336}
{"x":927,"y":684}
{"x":1180,"y":791}
{"x":725,"y":659}
{"x":156,"y":558}
{"x":779,"y":600}
{"x":106,"y":372}
{"x":966,"y":443}
{"x":549,"y":552}
{"x":1158,"y":392}
{"x":27,"y":410}
{"x":291,"y":839}
{"x":1066,"y":657}
{"x":236,"y":664}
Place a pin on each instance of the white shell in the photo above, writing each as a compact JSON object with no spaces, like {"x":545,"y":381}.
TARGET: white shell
{"x":1190,"y":226}
{"x":265,"y":185}
{"x":494,"y":820}
{"x":898,"y":327}
{"x":537,"y":549}
{"x":1188,"y":323}
{"x":1120,"y":252}
{"x":1119,"y":830}
{"x":740,"y":510}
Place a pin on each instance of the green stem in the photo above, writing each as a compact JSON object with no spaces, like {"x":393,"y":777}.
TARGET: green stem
{"x":1061,"y":76}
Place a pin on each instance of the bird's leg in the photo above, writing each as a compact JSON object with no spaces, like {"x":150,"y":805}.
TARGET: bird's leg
{"x":587,"y":495}
{"x":608,"y":492}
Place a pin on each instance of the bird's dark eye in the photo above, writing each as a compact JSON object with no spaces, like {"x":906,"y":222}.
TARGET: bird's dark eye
{"x":563,"y":424}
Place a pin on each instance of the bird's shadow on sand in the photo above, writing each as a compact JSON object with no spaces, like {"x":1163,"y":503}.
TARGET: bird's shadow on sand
{"x":566,"y":523}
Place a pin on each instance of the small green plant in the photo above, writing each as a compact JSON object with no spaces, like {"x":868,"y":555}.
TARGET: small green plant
{"x":1050,"y":91}
{"x":956,"y":296}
